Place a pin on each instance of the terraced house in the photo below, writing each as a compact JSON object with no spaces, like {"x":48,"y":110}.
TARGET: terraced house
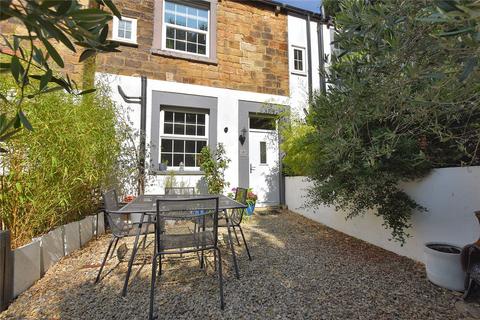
{"x":216,"y":70}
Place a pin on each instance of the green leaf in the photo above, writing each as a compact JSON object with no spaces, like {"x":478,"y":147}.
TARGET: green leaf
{"x":24,"y":120}
{"x":111,"y":6}
{"x":86,"y":54}
{"x":15,"y":68}
{"x":53,"y":53}
{"x":45,"y":79}
{"x":87,"y":91}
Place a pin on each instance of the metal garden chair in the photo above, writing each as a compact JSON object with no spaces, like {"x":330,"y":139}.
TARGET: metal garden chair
{"x":183,"y":213}
{"x":121,"y":226}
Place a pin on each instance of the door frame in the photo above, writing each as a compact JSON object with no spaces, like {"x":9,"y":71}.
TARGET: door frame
{"x":245,"y":108}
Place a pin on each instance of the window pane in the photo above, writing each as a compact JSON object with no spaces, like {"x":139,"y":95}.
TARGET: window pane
{"x":181,"y":9}
{"x":177,"y":158}
{"x":192,"y":36}
{"x":200,"y":145}
{"x":189,"y":160}
{"x":200,"y":130}
{"x":200,"y":118}
{"x":263,"y":152}
{"x":191,"y":118}
{"x":170,"y":6}
{"x":264,"y":123}
{"x":170,"y":32}
{"x":121,"y":33}
{"x":168,"y":116}
{"x":166,"y":158}
{"x":190,"y":130}
{"x":169,"y":18}
{"x":168,"y":128}
{"x":179,"y":129}
{"x":300,"y":65}
{"x":202,"y":38}
{"x":167,"y":145}
{"x":180,"y":34}
{"x":203,"y":25}
{"x":201,"y":49}
{"x":179,"y":117}
{"x":192,"y":23}
{"x":203,"y":14}
{"x":178,"y":146}
{"x":180,"y":45}
{"x":170,"y":44}
{"x":181,"y":21}
{"x":190,"y":146}
{"x":191,"y":47}
{"x":128,"y":34}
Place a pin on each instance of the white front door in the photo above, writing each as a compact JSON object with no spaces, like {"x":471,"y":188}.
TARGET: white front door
{"x":264,"y":166}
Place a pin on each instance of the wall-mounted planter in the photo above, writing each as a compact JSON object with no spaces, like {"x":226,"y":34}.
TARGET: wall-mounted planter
{"x":72,"y":237}
{"x":52,"y":247}
{"x":26,"y":270}
{"x":443,"y":266}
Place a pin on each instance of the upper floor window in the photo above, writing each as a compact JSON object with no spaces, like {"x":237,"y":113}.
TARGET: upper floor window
{"x":185,"y":29}
{"x":124,"y":30}
{"x":299,"y":60}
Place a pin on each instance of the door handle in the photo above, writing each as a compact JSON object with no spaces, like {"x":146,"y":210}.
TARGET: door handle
{"x":251,"y":168}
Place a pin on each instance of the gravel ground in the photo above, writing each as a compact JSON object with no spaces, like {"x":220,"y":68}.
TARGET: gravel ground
{"x":300,"y":270}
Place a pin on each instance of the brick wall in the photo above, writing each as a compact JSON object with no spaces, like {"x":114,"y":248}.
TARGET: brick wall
{"x":252,"y":50}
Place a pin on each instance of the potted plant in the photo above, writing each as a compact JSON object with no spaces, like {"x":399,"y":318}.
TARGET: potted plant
{"x":251,"y":200}
{"x":443,"y":265}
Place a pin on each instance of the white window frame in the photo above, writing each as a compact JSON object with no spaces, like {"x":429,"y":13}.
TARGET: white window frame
{"x":304,"y":60}
{"x":164,"y":135}
{"x":164,"y":32}
{"x":115,"y":37}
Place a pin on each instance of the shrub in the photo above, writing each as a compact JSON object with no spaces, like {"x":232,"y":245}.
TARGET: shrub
{"x":214,"y":163}
{"x":403,"y":98}
{"x":52,"y":175}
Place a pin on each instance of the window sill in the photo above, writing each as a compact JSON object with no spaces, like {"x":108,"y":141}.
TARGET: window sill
{"x":177,"y":173}
{"x":299,"y":73}
{"x":184,"y":56}
{"x":125,"y":43}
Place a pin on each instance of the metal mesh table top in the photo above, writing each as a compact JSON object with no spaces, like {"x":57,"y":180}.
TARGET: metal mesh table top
{"x":148,"y":203}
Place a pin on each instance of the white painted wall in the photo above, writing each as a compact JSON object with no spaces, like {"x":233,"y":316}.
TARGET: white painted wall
{"x":227,"y":116}
{"x":451,"y":195}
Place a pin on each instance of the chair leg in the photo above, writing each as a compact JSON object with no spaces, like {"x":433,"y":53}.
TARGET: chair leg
{"x":220,"y":277}
{"x":132,"y":258}
{"x":159,"y":264}
{"x":215,"y":259}
{"x":235,"y":233}
{"x":152,"y":286}
{"x":145,"y":240}
{"x":114,"y":247}
{"x":105,"y":259}
{"x":469,"y":286}
{"x":234,"y":256}
{"x":245,"y":243}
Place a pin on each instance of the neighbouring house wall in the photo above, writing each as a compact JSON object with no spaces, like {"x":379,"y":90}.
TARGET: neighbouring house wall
{"x":252,"y":50}
{"x":227,"y":116}
{"x":451,"y":196}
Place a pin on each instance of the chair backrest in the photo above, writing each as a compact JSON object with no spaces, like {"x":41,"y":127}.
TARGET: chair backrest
{"x":180,"y":191}
{"x":119,"y":223}
{"x":197,"y":210}
{"x":237,"y":214}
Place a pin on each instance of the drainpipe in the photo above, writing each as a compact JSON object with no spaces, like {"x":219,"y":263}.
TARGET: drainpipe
{"x":309,"y":55}
{"x":321,"y":55}
{"x":142,"y":101}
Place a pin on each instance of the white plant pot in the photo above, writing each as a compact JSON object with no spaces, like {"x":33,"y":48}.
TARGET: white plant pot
{"x":444,"y":268}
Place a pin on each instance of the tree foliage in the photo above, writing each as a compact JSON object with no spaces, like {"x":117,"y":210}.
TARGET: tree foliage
{"x":403,"y":98}
{"x":34,"y":54}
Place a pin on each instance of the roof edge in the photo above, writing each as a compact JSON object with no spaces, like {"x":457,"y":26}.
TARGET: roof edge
{"x":293,"y":9}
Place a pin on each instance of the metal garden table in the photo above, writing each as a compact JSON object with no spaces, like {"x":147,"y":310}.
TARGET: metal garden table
{"x":146,"y":205}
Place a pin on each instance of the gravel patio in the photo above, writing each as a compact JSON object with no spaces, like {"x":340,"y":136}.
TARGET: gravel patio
{"x":300,"y":270}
